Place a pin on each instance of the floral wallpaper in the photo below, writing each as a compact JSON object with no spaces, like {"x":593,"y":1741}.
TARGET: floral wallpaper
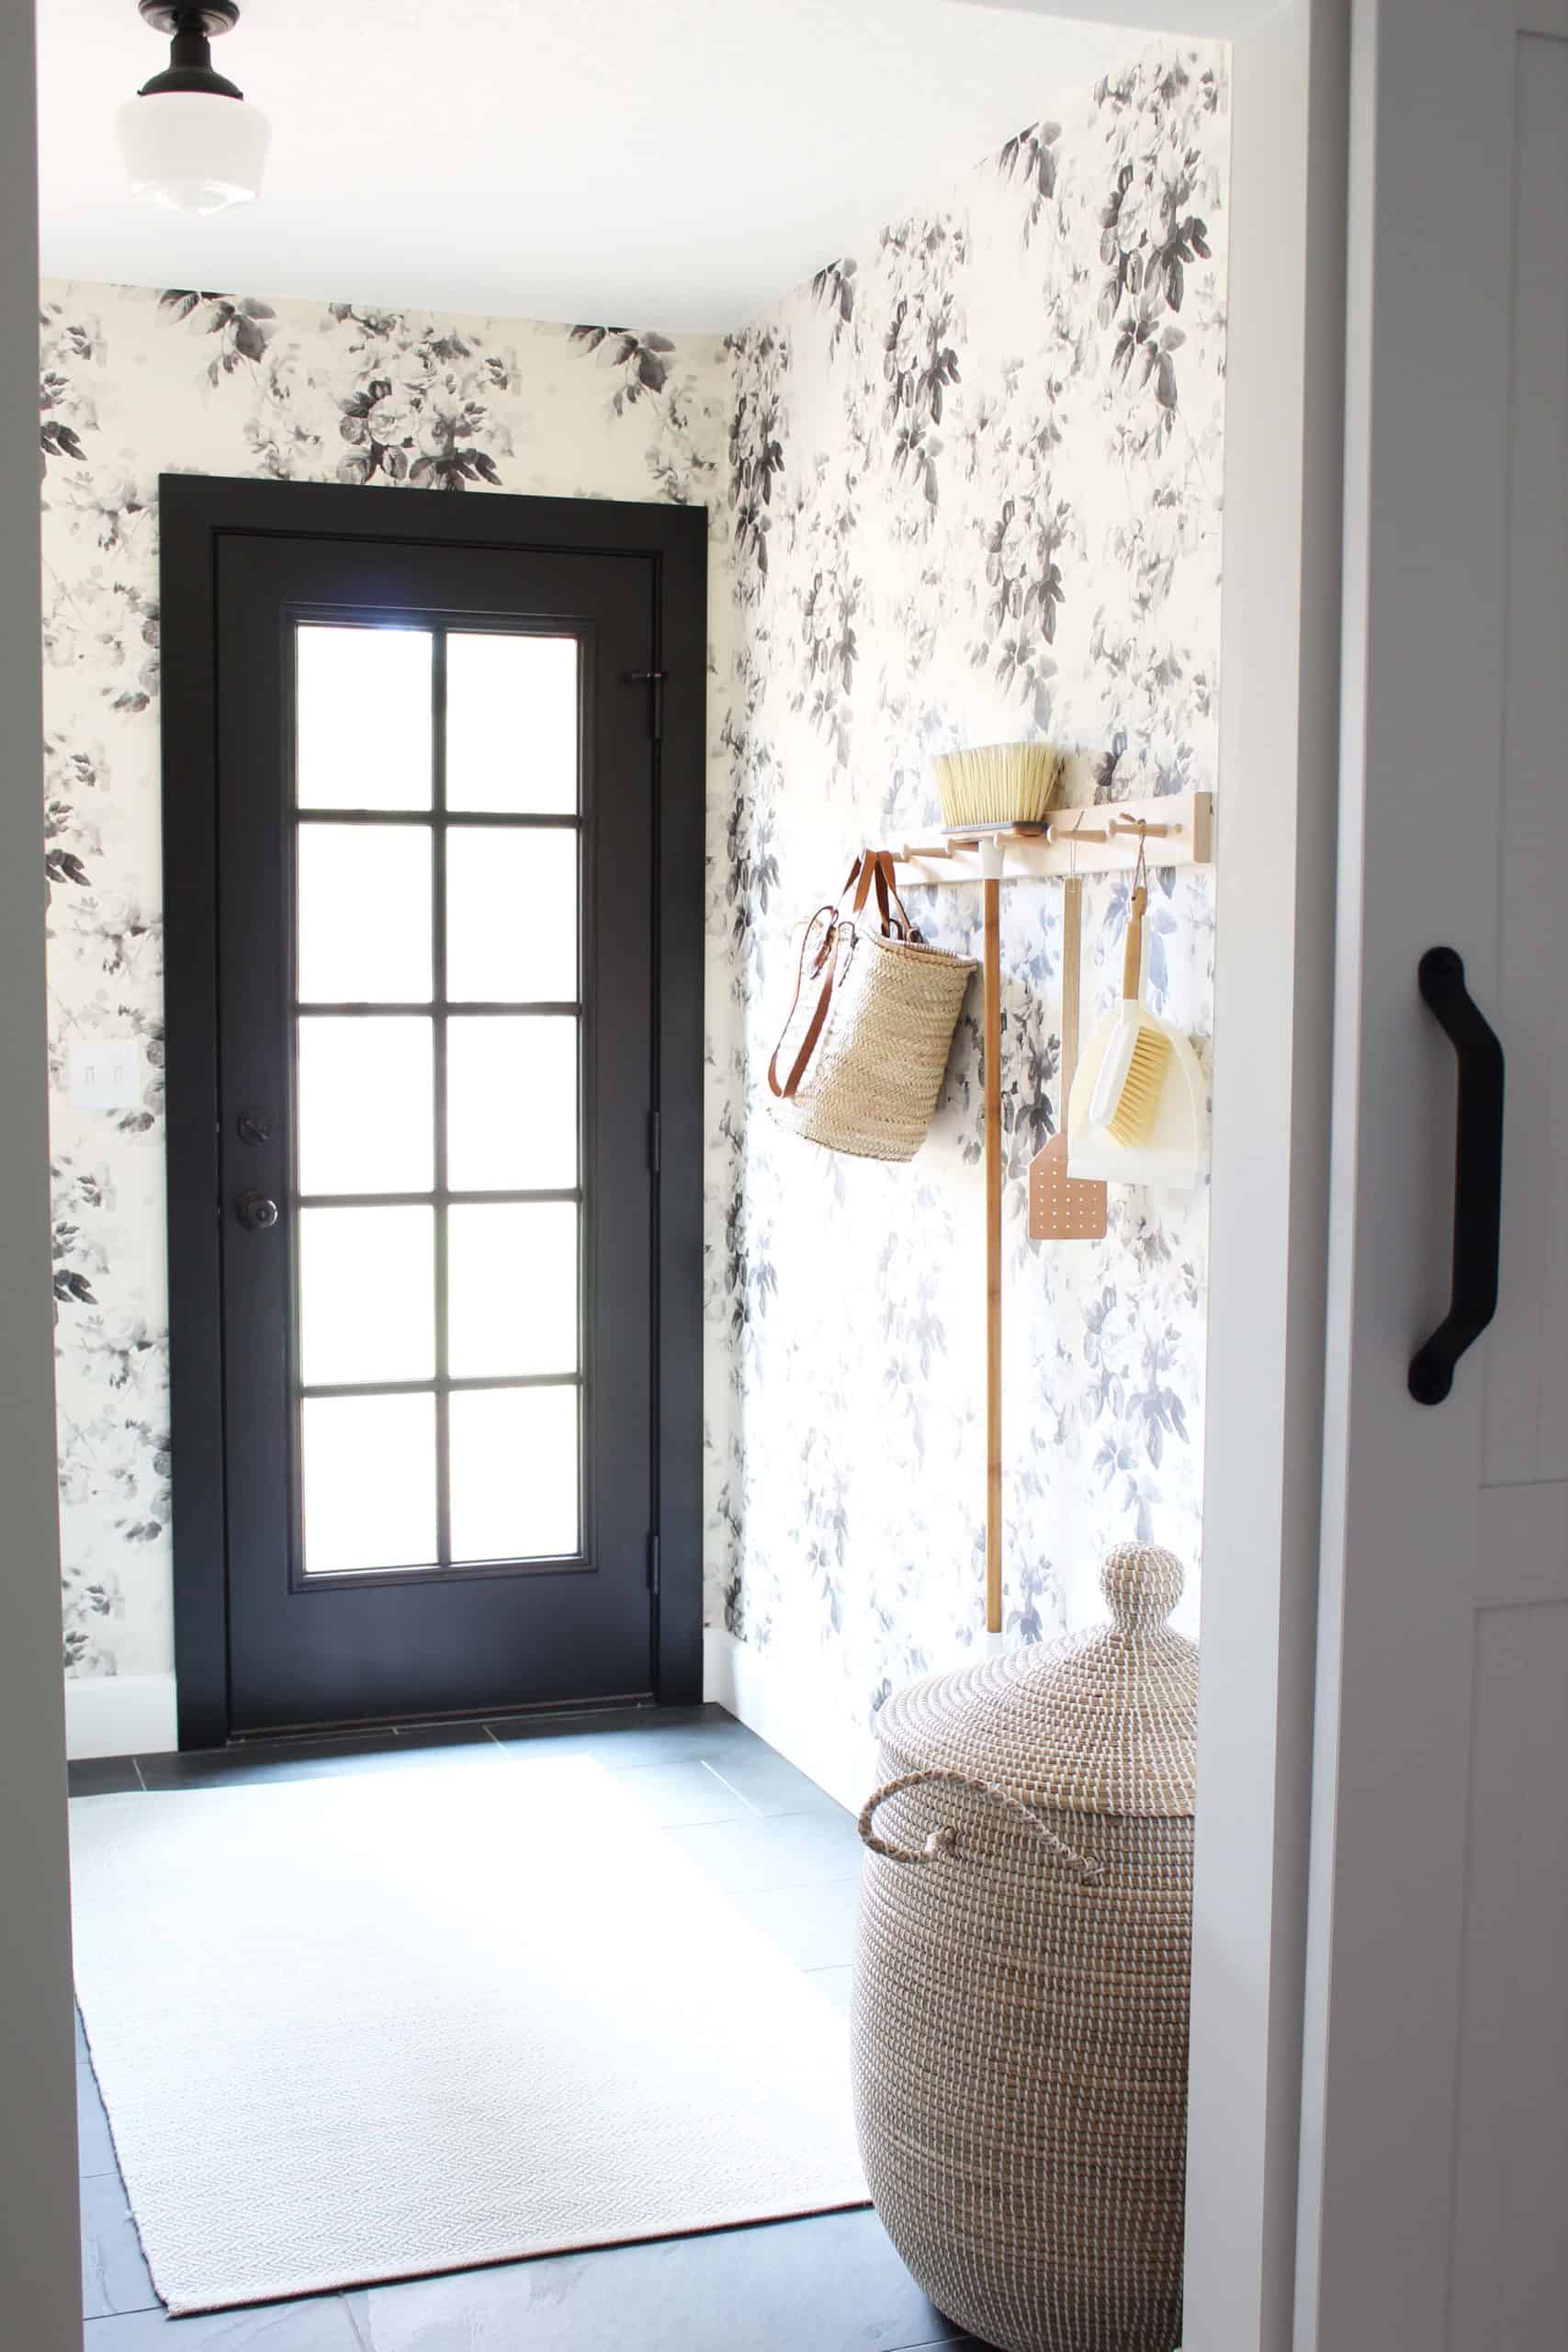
{"x":963,"y":486}
{"x":974,"y":477}
{"x":135,"y":383}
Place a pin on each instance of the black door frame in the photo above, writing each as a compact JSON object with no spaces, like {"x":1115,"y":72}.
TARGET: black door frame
{"x":196,"y":511}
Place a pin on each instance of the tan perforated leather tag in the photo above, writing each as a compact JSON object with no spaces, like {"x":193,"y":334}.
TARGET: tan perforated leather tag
{"x":1062,"y":1207}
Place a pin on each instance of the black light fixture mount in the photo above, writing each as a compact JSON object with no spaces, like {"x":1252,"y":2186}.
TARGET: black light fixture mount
{"x":192,"y":27}
{"x":191,"y":142}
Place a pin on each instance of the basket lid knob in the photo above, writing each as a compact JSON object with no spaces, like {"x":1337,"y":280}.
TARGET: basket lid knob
{"x":1142,"y":1584}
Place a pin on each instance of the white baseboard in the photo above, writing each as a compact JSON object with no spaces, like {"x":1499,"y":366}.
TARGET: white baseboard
{"x":134,"y":1714}
{"x":119,"y":1715}
{"x":782,"y":1709}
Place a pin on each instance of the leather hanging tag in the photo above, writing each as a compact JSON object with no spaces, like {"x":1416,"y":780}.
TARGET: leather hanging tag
{"x":1064,"y":1207}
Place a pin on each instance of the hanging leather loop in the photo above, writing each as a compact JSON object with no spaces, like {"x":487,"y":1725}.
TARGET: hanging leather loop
{"x":815,"y":1025}
{"x":872,"y":870}
{"x":871,"y":873}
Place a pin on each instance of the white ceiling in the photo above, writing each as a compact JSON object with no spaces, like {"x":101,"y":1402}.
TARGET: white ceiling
{"x":673,"y":164}
{"x":1226,"y":19}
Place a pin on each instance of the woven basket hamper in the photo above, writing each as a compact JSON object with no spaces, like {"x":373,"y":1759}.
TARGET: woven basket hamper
{"x":1020,"y":1987}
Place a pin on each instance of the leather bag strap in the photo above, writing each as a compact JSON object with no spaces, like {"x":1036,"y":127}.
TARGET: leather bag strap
{"x":898,"y":926}
{"x":871,"y":873}
{"x":874,"y":871}
{"x":825,"y":956}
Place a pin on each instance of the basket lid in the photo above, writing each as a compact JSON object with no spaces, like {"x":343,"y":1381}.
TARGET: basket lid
{"x":1101,"y":1722}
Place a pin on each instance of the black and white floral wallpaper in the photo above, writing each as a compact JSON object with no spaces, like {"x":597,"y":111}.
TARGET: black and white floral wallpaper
{"x":963,"y":486}
{"x":975,"y":488}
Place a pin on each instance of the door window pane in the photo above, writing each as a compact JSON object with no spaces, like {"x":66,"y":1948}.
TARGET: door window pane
{"x":515,"y":1478}
{"x":512,"y":1289}
{"x":365,"y":1112}
{"x":512,"y":1103}
{"x":512,"y":914}
{"x":367,"y":1294}
{"x":362,"y":705}
{"x":369,"y":1472}
{"x":512,"y":723}
{"x":363,"y":914}
{"x":367,"y":1106}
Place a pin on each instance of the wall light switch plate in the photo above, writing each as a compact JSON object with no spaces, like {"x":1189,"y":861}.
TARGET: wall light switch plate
{"x":106,"y":1073}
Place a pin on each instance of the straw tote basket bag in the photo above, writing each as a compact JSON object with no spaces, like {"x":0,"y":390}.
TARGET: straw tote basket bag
{"x":859,"y":1067}
{"x":1020,"y":1988}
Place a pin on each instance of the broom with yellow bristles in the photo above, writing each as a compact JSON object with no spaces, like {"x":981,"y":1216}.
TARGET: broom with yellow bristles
{"x":994,"y":785}
{"x":990,"y":789}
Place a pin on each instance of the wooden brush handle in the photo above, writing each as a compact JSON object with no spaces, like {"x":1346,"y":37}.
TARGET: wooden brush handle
{"x":1132,"y":955}
{"x":1072,"y":959}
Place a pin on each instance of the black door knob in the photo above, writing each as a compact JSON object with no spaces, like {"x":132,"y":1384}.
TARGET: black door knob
{"x":256,"y":1212}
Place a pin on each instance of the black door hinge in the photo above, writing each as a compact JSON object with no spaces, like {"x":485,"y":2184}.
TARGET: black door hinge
{"x":653,"y":1143}
{"x":653,"y":679}
{"x":653,"y":1564}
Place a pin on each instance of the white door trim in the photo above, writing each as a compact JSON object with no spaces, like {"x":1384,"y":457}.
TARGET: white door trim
{"x":1276,"y":815}
{"x":39,"y":2257}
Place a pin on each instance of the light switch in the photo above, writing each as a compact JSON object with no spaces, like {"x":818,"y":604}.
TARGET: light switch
{"x":106,"y":1073}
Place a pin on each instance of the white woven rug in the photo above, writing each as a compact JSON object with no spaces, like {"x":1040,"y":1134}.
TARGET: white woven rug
{"x":358,"y":2029}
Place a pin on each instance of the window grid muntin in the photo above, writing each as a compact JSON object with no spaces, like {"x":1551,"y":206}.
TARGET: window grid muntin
{"x":441,"y":1197}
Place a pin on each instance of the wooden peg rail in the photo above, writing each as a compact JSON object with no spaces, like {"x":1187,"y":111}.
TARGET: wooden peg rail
{"x":1175,"y":828}
{"x":1178,"y":829}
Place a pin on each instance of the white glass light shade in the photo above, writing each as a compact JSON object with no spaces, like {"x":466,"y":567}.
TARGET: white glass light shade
{"x":193,"y":151}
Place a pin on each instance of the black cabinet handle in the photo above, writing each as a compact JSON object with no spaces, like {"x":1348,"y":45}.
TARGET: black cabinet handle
{"x":1478,"y":1175}
{"x":256,"y":1212}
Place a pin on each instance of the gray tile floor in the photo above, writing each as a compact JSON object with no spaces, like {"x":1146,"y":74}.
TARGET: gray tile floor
{"x":789,"y":1857}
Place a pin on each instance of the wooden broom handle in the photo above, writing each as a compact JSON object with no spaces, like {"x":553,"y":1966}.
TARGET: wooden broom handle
{"x":1133,"y":954}
{"x":993,"y":1050}
{"x":1072,"y":961}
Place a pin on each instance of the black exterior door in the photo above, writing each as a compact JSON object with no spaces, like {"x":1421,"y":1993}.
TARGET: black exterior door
{"x":436,"y":851}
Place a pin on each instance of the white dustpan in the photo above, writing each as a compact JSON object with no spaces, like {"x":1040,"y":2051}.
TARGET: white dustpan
{"x":1175,"y":1154}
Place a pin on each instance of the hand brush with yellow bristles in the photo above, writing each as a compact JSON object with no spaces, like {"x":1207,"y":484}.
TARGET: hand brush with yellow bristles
{"x":1125,"y":1100}
{"x":997,"y":784}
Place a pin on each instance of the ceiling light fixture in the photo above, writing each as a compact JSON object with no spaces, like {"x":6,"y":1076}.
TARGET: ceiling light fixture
{"x":189,"y":140}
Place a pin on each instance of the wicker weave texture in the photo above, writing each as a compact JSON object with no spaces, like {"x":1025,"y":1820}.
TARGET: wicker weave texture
{"x":1021,"y":2000}
{"x":873,"y":1079}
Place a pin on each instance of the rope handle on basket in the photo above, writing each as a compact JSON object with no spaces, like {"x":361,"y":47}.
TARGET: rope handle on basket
{"x":872,"y":868}
{"x":943,"y":1839}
